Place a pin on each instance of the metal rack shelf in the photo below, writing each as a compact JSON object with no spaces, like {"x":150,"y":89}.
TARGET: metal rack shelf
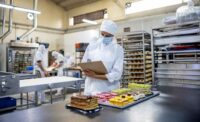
{"x":133,"y":50}
{"x":177,"y":69}
{"x":178,"y":60}
{"x":133,"y":63}
{"x":137,"y":72}
{"x":133,"y":59}
{"x":136,"y":45}
{"x":186,"y":51}
{"x":135,"y":41}
{"x":176,"y":64}
{"x":134,"y":78}
{"x":179,"y":78}
{"x":132,"y":68}
{"x":134,"y":55}
{"x":177,"y":74}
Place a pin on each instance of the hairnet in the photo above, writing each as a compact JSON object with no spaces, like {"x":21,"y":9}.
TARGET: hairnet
{"x":55,"y":54}
{"x":109,"y":26}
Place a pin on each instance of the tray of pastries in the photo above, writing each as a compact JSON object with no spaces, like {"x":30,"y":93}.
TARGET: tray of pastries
{"x":84,"y":104}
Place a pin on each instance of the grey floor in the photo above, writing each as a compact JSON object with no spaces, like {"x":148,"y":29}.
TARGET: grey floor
{"x":172,"y":105}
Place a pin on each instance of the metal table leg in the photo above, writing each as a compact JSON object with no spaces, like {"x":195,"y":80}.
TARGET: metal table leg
{"x":51,"y":96}
{"x":27,"y":100}
{"x":79,"y":87}
{"x":64,"y":92}
{"x":21,"y":99}
{"x":36,"y":98}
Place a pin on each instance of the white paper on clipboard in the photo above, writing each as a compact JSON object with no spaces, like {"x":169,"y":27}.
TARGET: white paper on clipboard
{"x":96,"y":66}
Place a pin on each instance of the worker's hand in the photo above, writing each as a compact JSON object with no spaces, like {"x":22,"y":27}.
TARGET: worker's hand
{"x":46,"y":73}
{"x":54,"y":64}
{"x":77,"y":68}
{"x":90,"y":73}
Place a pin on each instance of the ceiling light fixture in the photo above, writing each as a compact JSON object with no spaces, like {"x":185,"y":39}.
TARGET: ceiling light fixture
{"x":6,"y":6}
{"x":27,"y":10}
{"x":19,"y":9}
{"x":89,"y":21}
{"x":145,"y":5}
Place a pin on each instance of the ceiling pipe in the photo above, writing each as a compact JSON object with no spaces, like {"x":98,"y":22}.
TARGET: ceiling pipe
{"x":35,"y":2}
{"x":10,"y":23}
{"x":3,"y":19}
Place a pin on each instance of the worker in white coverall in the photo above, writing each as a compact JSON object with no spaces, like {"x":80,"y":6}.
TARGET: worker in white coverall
{"x":59,"y":62}
{"x":69,"y":61}
{"x":59,"y":65}
{"x":39,"y":67}
{"x":107,"y":50}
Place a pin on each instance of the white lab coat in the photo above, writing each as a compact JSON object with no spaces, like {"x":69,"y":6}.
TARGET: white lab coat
{"x":69,"y":61}
{"x":112,"y":56}
{"x":39,"y":57}
{"x":60,"y":59}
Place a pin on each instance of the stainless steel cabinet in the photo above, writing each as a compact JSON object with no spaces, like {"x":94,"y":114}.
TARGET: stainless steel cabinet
{"x":176,"y":54}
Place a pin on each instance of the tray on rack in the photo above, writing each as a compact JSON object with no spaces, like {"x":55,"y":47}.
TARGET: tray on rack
{"x":131,"y":104}
{"x":82,"y":111}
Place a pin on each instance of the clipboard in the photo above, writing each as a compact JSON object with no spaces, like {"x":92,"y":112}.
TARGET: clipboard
{"x":96,"y":66}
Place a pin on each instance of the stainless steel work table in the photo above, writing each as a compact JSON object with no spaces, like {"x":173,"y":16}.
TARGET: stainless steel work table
{"x":173,"y":105}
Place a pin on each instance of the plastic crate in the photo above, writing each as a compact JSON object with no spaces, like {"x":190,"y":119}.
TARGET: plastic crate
{"x":7,"y":103}
{"x":29,"y":68}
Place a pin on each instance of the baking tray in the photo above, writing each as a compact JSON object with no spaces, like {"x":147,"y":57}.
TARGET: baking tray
{"x":131,"y":104}
{"x":178,"y":32}
{"x":85,"y":112}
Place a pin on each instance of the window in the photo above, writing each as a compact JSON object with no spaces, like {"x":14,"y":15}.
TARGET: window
{"x":96,"y":15}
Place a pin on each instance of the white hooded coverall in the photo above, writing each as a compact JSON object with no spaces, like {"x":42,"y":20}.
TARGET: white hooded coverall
{"x":112,"y":56}
{"x":39,"y":56}
{"x":59,"y":60}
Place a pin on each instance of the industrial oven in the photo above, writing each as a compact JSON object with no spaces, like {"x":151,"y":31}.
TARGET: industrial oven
{"x":16,"y":56}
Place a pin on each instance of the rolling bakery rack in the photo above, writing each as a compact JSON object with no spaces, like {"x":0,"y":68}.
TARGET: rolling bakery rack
{"x":137,"y":57}
{"x":80,"y":49}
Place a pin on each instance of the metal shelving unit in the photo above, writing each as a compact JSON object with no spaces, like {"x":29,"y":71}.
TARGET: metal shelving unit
{"x":137,"y":57}
{"x":79,"y":52}
{"x":78,"y":57}
{"x":176,"y":55}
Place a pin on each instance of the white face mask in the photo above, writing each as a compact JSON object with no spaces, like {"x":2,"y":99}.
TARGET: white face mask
{"x":106,"y":40}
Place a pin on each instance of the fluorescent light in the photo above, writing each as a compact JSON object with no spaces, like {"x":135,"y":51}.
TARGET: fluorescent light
{"x":145,"y":5}
{"x":27,"y":10}
{"x":71,"y":21}
{"x":19,"y":9}
{"x":106,"y":16}
{"x":89,"y":21}
{"x":6,"y":6}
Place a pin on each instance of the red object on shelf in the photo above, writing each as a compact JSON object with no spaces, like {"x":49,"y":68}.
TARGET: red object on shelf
{"x":78,"y":45}
{"x":183,"y":47}
{"x":81,"y":47}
